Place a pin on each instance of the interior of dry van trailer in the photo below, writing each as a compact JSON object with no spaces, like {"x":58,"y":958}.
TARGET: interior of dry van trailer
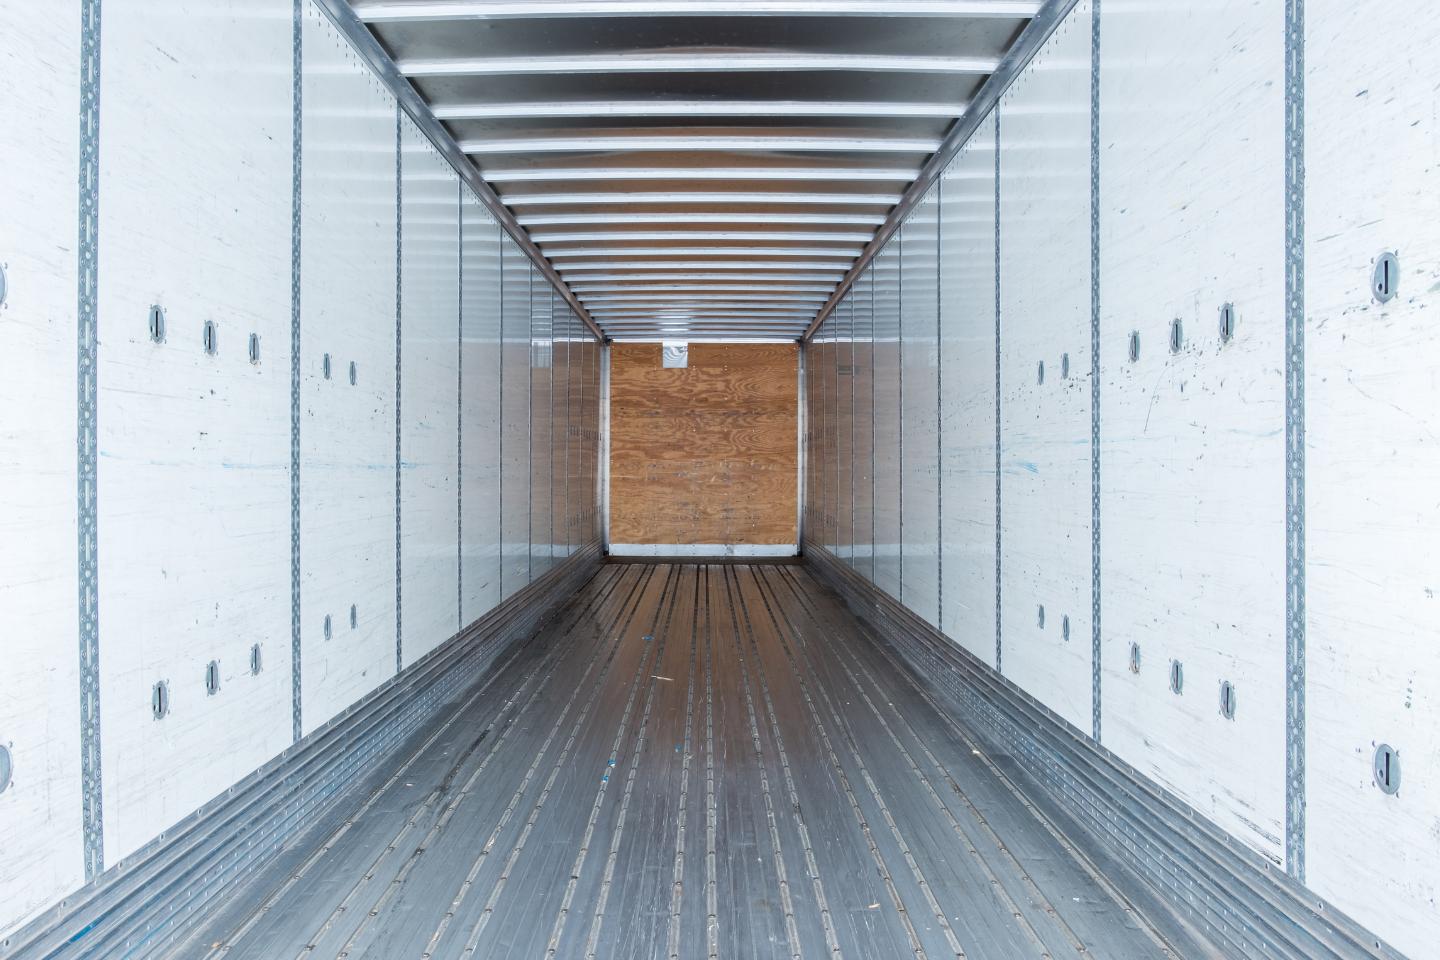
{"x":719,"y":479}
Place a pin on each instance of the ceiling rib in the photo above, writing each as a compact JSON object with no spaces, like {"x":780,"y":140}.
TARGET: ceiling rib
{"x":703,"y":60}
{"x":714,"y":196}
{"x":696,"y":168}
{"x":756,"y":142}
{"x":380,"y":11}
{"x":549,"y":174}
{"x":695,"y":108}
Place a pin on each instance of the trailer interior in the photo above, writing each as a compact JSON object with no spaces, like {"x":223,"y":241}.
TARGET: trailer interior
{"x":719,"y":479}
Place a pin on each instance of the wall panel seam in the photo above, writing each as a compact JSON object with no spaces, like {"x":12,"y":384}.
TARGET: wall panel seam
{"x":87,"y":442}
{"x":1095,"y":715}
{"x":297,"y":54}
{"x":998,"y":644}
{"x":1295,"y":438}
{"x":399,"y":279}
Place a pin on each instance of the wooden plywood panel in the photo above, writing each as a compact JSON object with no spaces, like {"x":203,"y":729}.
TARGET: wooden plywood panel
{"x":707,"y":453}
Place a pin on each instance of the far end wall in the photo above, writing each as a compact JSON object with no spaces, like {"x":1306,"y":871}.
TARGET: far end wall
{"x":703,"y":458}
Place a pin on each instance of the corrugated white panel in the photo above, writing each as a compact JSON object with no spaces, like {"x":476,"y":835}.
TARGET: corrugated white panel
{"x":885,"y":269}
{"x":542,"y":530}
{"x":40,"y":815}
{"x":347,"y":433}
{"x":844,"y":413}
{"x":1045,"y":427}
{"x":920,"y":405}
{"x":1372,"y":135}
{"x":1192,"y":503}
{"x":560,"y":428}
{"x":480,"y":410}
{"x":967,"y":395}
{"x":194,"y":481}
{"x":429,"y":395}
{"x":862,"y":431}
{"x":515,"y":417}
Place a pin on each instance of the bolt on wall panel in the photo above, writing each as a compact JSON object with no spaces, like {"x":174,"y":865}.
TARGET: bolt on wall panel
{"x":1192,"y":502}
{"x":40,"y":712}
{"x":862,"y":429}
{"x":515,"y":478}
{"x":886,"y":295}
{"x":1045,"y":420}
{"x":1372,"y":663}
{"x":967,"y":395}
{"x":542,"y":529}
{"x":429,"y":399}
{"x":193,"y":437}
{"x":920,"y":406}
{"x":480,"y":410}
{"x":348,"y":268}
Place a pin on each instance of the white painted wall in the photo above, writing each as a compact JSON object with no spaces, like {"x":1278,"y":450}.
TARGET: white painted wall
{"x":1372,"y":120}
{"x":197,"y":180}
{"x":1193,"y":457}
{"x":194,"y":487}
{"x":967,"y":395}
{"x":481,"y":509}
{"x":40,"y":814}
{"x":429,"y":395}
{"x":1191,"y":216}
{"x":920,"y":410}
{"x":1045,"y":427}
{"x":347,"y":432}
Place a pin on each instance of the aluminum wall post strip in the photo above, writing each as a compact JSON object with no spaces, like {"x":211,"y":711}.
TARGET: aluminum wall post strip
{"x":297,"y":166}
{"x":87,"y":439}
{"x":1095,"y":594}
{"x":999,"y":528}
{"x":1295,"y":439}
{"x":459,"y":405}
{"x":399,"y":300}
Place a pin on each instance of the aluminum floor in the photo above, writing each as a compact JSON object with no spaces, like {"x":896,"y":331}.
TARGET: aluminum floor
{"x":687,"y":761}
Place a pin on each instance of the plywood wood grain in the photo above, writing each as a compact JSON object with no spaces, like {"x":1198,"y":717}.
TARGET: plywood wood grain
{"x":707,"y":453}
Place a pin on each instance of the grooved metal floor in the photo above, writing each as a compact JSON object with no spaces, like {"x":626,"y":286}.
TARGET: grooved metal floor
{"x":688,"y":761}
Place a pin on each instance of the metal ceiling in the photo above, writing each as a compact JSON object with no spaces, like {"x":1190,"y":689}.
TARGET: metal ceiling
{"x":698,"y":169}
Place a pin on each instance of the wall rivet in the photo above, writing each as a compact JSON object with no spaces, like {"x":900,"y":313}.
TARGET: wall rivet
{"x":7,"y":765}
{"x":1177,"y":677}
{"x":1227,"y":322}
{"x":1134,"y":345}
{"x":160,"y":699}
{"x":210,"y":338}
{"x":1227,"y":699}
{"x":1387,"y":769}
{"x":156,"y":323}
{"x":1134,"y":657}
{"x":257,"y":662}
{"x":1385,"y":280}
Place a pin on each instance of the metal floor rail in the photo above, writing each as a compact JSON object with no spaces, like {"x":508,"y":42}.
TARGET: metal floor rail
{"x":691,"y":761}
